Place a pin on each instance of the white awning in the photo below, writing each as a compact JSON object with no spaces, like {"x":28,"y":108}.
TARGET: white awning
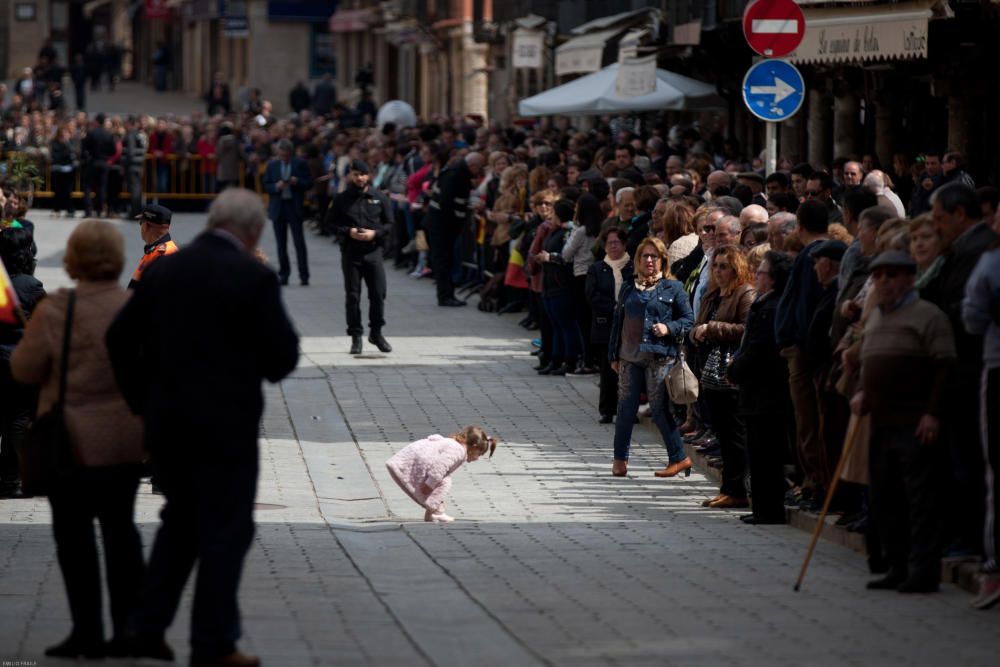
{"x":583,"y":54}
{"x":893,"y":32}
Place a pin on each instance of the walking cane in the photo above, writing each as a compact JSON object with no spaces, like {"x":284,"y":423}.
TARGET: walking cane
{"x":848,"y":444}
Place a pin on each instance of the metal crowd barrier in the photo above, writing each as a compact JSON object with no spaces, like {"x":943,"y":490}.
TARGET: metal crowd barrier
{"x":181,"y":174}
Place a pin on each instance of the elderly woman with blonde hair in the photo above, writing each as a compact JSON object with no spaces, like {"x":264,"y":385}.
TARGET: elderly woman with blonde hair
{"x":105,"y":439}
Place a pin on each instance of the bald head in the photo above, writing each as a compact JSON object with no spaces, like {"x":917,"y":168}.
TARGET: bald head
{"x":853,"y":173}
{"x":719,"y":179}
{"x":753,"y":214}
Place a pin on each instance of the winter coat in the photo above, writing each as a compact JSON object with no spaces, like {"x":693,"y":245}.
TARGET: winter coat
{"x":600,"y":291}
{"x":101,"y":427}
{"x":427,"y":463}
{"x":757,"y":366}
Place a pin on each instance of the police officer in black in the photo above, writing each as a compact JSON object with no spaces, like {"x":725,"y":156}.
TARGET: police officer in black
{"x":361,"y":218}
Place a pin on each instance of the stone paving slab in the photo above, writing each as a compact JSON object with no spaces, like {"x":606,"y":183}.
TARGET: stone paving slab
{"x":551,"y":560}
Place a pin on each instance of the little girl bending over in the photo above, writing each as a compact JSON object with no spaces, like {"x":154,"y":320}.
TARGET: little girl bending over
{"x":423,"y":468}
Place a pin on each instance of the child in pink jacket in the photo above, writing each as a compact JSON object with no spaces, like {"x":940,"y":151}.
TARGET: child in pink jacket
{"x":423,"y":468}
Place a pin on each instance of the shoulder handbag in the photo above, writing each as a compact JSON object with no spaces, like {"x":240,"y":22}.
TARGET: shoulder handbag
{"x":714,"y":372}
{"x":682,"y":385}
{"x":48,"y":459}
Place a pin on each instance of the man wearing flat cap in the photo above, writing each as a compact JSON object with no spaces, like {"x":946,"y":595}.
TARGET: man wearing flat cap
{"x":907,"y":359}
{"x":360,"y":217}
{"x":154,"y":227}
{"x":286,"y":181}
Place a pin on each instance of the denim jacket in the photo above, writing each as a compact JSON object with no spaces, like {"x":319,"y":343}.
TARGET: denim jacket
{"x":667,"y":305}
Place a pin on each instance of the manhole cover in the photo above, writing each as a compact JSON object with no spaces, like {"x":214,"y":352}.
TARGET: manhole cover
{"x":268,"y":506}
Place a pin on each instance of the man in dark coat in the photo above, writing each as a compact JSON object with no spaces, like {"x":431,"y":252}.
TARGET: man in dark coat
{"x":447,"y":216}
{"x":957,"y":214}
{"x":360,"y":217}
{"x":205,"y":326}
{"x":286,"y":180}
{"x":299,"y":98}
{"x":98,"y":146}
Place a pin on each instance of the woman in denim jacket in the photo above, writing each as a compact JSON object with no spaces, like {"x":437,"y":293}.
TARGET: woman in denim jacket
{"x":652,"y":314}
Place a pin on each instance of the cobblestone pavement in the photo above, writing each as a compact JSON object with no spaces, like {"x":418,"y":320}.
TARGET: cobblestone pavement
{"x":551,"y":560}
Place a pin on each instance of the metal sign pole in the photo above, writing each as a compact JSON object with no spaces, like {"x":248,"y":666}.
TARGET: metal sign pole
{"x":771,"y":141}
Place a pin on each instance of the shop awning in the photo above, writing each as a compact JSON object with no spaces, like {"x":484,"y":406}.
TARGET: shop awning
{"x":881,"y":32}
{"x":596,"y":94}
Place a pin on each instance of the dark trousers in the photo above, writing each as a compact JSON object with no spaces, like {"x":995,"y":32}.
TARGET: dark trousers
{"x":16,"y":411}
{"x":108,"y":495}
{"x":731,"y":432}
{"x":607,"y":402}
{"x":566,"y":339}
{"x":442,"y":242}
{"x":95,"y":188}
{"x":810,"y":449}
{"x":62,"y":188}
{"x":115,"y":186}
{"x":991,"y":449}
{"x":967,"y":495}
{"x":286,"y":220}
{"x":767,"y":442}
{"x":208,"y":518}
{"x":370,"y":269}
{"x":906,"y":501}
{"x":581,"y":306}
{"x":134,"y":191}
{"x":544,"y":325}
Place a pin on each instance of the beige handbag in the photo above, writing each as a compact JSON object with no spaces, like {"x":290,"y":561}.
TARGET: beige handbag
{"x":682,"y":385}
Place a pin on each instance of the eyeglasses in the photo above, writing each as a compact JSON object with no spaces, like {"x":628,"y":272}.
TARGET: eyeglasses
{"x":721,"y":267}
{"x":647,"y":257}
{"x":708,"y":229}
{"x":885,"y":275}
{"x":812,"y":194}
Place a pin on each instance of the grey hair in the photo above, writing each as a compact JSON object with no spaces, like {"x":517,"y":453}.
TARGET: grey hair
{"x":874,"y":182}
{"x":787,"y":220}
{"x":618,"y":195}
{"x":732,"y":222}
{"x":286,"y":145}
{"x":238,"y":211}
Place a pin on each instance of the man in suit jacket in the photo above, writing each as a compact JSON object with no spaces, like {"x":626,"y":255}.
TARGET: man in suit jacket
{"x":957,"y":214}
{"x":189,"y":350}
{"x":286,"y":180}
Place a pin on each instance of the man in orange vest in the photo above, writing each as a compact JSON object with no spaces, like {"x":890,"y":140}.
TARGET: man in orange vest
{"x":154,"y":227}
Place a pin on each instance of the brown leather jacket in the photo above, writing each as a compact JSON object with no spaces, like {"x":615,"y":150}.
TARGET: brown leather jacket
{"x":727,"y":324}
{"x":103,"y":430}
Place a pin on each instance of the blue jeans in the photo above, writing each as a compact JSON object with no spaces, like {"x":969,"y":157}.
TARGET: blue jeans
{"x":630,"y":377}
{"x":566,"y":340}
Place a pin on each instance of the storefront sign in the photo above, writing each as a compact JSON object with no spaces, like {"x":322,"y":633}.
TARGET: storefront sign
{"x":636,"y":76}
{"x":234,"y":22}
{"x":527,"y":49}
{"x":895,"y":36}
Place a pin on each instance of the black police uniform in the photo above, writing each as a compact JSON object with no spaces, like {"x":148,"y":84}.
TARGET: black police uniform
{"x":363,"y":209}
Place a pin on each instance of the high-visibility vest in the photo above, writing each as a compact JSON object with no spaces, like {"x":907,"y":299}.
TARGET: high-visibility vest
{"x":159,"y":250}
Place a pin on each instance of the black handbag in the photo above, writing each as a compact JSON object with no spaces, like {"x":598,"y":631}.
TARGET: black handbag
{"x":48,"y":458}
{"x":714,"y":372}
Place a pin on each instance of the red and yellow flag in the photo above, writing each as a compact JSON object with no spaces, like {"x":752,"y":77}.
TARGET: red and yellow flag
{"x":8,"y":299}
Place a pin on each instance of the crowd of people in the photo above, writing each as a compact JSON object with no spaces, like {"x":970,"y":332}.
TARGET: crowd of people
{"x":823,"y":316}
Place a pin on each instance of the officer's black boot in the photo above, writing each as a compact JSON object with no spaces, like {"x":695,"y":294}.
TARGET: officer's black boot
{"x":376,"y":338}
{"x":356,"y":344}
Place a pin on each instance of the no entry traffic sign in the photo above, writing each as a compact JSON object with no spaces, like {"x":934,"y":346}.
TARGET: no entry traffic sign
{"x":773,"y":28}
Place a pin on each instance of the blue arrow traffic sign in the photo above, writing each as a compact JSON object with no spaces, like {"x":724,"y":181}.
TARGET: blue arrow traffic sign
{"x":773,"y":90}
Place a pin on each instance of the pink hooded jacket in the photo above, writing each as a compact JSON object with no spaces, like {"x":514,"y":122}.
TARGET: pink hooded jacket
{"x":427,"y":462}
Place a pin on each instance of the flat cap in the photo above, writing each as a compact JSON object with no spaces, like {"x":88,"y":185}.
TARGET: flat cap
{"x":894,"y":259}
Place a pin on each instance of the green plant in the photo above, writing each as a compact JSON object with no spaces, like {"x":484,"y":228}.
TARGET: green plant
{"x":23,"y":172}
